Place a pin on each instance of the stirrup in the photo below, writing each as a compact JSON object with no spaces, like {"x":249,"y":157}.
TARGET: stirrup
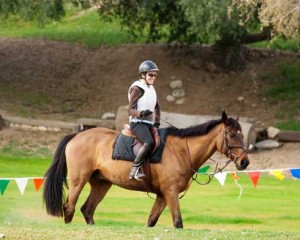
{"x":138,"y":176}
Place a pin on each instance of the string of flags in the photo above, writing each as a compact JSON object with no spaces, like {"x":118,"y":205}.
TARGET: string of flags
{"x":21,"y":183}
{"x":220,"y":176}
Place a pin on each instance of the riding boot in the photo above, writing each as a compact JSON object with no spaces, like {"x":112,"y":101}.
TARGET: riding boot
{"x":137,"y":163}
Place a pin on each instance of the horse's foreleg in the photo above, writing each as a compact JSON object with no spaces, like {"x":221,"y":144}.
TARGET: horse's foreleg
{"x":171,"y":197}
{"x":158,"y":206}
{"x":74,"y":191}
{"x":98,"y":192}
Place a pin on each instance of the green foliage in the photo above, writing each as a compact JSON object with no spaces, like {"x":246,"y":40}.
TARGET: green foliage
{"x":28,"y":10}
{"x":161,"y":19}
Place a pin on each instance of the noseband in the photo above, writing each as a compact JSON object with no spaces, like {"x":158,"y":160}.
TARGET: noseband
{"x":230,"y":147}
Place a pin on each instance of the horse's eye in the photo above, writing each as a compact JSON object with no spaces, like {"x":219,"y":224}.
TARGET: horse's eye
{"x":232,"y":135}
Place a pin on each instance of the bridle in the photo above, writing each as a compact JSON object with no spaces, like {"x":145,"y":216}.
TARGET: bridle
{"x":230,"y":147}
{"x":217,"y":169}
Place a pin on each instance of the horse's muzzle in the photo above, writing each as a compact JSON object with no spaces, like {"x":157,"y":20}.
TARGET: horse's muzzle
{"x":244,"y":163}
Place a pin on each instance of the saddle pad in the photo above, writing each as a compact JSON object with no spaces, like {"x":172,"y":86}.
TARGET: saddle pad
{"x":123,"y":148}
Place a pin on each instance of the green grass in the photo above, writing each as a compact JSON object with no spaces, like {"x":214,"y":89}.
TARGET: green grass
{"x":270,"y":211}
{"x":285,"y":88}
{"x":89,"y":30}
{"x":279,"y":43}
{"x":212,"y":212}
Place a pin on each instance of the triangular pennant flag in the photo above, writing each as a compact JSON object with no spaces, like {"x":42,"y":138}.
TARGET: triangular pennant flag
{"x":38,"y":182}
{"x":3,"y":185}
{"x":278,"y":174}
{"x":221,"y":177}
{"x":295,"y":173}
{"x":204,"y":169}
{"x":254,"y":176}
{"x":234,"y":176}
{"x":22,"y":183}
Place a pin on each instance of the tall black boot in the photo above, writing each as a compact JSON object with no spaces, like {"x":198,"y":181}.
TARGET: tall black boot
{"x":139,"y":159}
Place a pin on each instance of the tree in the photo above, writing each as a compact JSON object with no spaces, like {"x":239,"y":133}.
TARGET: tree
{"x":40,"y":10}
{"x":159,"y":19}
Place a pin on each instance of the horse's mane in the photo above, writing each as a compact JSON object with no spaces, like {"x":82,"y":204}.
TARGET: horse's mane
{"x":201,"y":129}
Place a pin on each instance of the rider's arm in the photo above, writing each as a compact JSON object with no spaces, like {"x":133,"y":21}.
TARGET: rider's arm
{"x":135,"y":93}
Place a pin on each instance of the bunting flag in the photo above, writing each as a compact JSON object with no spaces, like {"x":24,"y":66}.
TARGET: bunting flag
{"x":295,"y":173}
{"x":21,"y":183}
{"x":221,"y":177}
{"x":203,"y":170}
{"x":38,"y":182}
{"x":3,"y":185}
{"x":254,"y":176}
{"x":278,"y":174}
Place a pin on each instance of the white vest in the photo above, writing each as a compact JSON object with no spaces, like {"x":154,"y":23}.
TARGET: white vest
{"x":149,"y":98}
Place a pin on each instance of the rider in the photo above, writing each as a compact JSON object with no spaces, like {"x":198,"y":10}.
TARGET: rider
{"x":144,"y":113}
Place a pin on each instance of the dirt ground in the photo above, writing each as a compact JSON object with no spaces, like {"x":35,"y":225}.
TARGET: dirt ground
{"x":53,"y":80}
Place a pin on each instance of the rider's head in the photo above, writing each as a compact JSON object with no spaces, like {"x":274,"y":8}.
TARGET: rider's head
{"x":148,"y":71}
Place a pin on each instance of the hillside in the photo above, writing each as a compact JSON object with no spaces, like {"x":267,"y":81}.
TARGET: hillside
{"x":56,"y":80}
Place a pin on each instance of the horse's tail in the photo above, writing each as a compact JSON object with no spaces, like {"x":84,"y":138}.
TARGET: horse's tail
{"x":55,"y":179}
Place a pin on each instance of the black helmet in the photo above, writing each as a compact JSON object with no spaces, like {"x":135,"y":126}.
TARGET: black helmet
{"x":147,"y":66}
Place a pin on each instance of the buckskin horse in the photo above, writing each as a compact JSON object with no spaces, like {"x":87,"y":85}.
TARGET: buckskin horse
{"x":87,"y":157}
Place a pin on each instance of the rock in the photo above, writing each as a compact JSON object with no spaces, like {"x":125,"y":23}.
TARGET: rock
{"x":176,"y":84}
{"x":170,"y":98}
{"x":180,"y":101}
{"x":211,"y":67}
{"x":195,"y":64}
{"x":268,"y":144}
{"x":108,"y":115}
{"x":178,"y":92}
{"x":272,"y":132}
{"x":240,"y":99}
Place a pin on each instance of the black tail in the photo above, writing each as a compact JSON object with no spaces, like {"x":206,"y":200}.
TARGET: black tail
{"x":55,"y":178}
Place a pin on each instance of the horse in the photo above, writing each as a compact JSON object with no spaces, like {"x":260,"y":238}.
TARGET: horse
{"x":87,"y":157}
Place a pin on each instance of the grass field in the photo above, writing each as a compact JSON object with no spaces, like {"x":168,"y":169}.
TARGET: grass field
{"x":270,"y":211}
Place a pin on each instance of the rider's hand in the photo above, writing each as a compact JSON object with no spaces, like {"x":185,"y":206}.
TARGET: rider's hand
{"x":145,"y":113}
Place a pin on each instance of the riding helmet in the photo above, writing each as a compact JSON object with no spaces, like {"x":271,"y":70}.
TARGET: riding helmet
{"x":147,"y":66}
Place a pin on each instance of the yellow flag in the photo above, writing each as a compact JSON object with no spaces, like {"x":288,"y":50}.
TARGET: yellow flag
{"x":278,"y":174}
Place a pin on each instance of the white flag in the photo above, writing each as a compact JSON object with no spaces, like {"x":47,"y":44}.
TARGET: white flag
{"x":22,"y":183}
{"x":221,"y":177}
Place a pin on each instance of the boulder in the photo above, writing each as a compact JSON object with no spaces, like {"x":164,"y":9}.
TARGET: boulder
{"x":268,"y":144}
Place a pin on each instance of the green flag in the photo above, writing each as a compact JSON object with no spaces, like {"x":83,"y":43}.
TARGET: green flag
{"x":3,"y":185}
{"x":204,"y":169}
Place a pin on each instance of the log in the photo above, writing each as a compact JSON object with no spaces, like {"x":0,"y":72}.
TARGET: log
{"x":289,"y":136}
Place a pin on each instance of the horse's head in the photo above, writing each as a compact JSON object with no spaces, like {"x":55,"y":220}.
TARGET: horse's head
{"x":232,"y":142}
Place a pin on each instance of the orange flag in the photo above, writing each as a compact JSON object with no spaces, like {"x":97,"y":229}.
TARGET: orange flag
{"x":254,"y":176}
{"x":38,"y":182}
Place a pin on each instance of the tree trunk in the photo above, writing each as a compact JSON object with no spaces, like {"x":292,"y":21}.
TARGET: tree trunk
{"x":230,"y":57}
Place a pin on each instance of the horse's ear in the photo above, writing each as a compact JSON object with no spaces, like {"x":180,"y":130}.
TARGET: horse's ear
{"x":237,"y":118}
{"x":224,"y":118}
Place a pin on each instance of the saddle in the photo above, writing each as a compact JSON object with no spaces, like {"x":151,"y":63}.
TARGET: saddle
{"x":127,"y":132}
{"x":127,"y":145}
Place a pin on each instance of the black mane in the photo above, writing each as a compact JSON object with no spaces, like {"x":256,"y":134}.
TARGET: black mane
{"x":201,"y":129}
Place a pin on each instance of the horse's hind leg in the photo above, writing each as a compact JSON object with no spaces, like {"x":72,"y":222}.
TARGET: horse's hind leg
{"x":99,"y":189}
{"x":75,"y":189}
{"x":158,"y":206}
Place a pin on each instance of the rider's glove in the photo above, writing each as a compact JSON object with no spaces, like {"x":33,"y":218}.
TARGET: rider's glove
{"x":145,"y":113}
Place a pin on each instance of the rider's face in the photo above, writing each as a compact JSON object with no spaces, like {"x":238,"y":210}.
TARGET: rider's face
{"x":150,"y":77}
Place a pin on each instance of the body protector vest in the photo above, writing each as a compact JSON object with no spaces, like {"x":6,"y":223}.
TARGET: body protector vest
{"x":149,"y":98}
